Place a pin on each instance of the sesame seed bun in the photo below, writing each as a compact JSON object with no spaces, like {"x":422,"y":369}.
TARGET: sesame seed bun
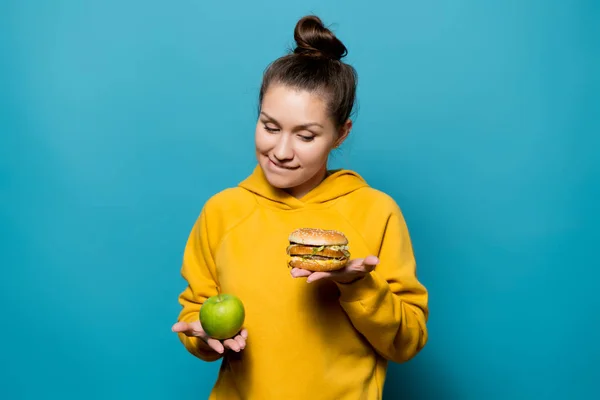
{"x":317,"y":237}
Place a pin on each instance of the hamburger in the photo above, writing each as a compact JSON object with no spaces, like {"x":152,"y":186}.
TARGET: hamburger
{"x":317,"y":249}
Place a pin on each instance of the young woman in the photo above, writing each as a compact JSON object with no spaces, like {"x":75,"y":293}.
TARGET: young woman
{"x":319,"y":335}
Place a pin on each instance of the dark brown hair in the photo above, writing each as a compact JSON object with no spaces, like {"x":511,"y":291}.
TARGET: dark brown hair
{"x":315,"y":65}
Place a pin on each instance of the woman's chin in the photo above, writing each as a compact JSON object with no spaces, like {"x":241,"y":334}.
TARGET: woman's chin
{"x":279,"y":182}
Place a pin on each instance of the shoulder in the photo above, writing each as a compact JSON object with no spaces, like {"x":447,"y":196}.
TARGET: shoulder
{"x":374,"y":215}
{"x":230,"y":198}
{"x":231,"y":202}
{"x":370,"y":210}
{"x":375,"y":201}
{"x":226,"y":209}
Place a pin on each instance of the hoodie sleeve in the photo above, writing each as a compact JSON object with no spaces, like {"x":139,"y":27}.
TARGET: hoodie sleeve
{"x":389,"y":306}
{"x":199,"y":271}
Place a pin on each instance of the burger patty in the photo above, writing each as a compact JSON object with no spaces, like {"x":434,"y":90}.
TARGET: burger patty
{"x":321,"y":252}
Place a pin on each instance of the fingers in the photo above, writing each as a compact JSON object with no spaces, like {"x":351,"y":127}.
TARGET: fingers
{"x":367,"y":264}
{"x":298,"y":272}
{"x":315,"y":276}
{"x":311,"y":276}
{"x":231,"y":344}
{"x":188,"y":328}
{"x":355,"y":269}
{"x":240,"y":341}
{"x":358,"y":265}
{"x":236,"y":344}
{"x":180,"y":327}
{"x":370,"y":263}
{"x":194,"y":329}
{"x":215,"y":345}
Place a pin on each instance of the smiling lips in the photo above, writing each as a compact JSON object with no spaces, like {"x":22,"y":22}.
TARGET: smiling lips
{"x":282,"y":166}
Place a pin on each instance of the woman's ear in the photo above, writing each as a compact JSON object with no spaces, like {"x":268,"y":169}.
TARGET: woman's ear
{"x":343,"y":133}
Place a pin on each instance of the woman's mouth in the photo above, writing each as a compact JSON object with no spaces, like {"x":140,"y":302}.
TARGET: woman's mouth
{"x":281,"y":166}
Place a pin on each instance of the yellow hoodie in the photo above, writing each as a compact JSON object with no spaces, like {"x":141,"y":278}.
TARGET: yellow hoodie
{"x":306,"y":341}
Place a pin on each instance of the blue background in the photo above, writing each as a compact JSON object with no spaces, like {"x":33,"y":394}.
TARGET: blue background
{"x":118,"y":119}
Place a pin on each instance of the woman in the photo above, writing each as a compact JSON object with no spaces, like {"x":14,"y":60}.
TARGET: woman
{"x":320,"y":335}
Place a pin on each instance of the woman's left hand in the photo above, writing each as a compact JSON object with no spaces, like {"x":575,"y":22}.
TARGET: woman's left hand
{"x":354,"y":270}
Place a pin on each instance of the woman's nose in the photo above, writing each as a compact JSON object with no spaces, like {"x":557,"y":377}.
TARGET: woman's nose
{"x":283,"y":150}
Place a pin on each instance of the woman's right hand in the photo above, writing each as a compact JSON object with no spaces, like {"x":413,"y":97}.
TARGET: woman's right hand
{"x":194,"y":329}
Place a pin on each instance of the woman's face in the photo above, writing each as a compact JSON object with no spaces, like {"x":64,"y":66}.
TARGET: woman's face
{"x":293,"y":138}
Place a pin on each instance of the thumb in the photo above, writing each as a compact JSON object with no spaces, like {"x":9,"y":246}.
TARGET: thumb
{"x":188,"y":328}
{"x":370,"y":262}
{"x":180,"y":327}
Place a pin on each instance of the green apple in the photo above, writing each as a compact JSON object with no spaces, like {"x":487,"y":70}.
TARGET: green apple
{"x":222,"y":316}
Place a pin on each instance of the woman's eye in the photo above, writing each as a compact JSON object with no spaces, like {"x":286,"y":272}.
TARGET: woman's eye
{"x":307,"y":138}
{"x":271,"y":129}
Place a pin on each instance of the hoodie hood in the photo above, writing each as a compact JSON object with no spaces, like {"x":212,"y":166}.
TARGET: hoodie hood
{"x":338,"y":183}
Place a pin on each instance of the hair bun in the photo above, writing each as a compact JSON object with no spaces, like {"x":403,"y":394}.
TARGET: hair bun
{"x":314,"y":39}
